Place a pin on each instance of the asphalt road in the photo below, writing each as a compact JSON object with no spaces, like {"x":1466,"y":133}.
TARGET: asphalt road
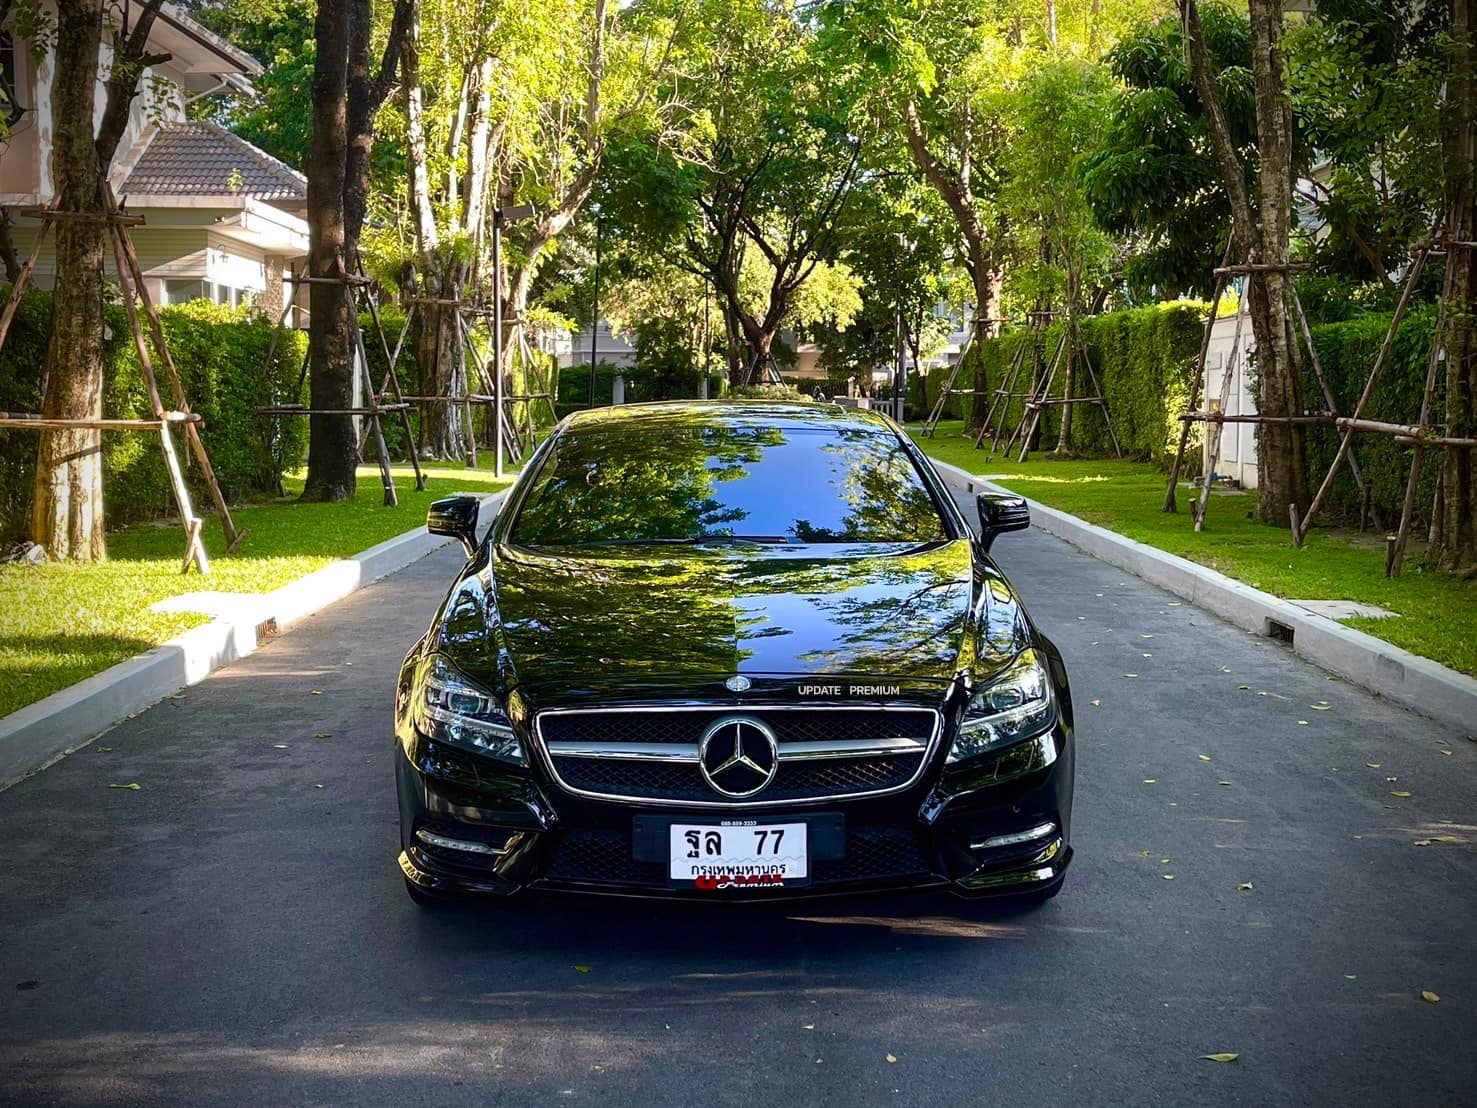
{"x":235,"y":930}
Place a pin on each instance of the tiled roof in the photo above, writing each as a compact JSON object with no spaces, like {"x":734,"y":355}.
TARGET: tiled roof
{"x":203,"y":159}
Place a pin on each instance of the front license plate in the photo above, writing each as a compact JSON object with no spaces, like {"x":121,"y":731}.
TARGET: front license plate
{"x":739,"y":853}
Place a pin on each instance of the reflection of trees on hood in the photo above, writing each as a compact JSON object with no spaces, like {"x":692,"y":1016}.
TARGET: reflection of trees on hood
{"x":648,"y":614}
{"x":697,"y":612}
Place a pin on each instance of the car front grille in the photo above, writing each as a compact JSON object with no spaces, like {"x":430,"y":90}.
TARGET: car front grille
{"x":651,"y":755}
{"x":874,"y":852}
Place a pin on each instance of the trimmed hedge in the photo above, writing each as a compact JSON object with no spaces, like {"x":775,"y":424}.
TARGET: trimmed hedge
{"x":220,"y":353}
{"x":1347,"y":352}
{"x":1144,"y":359}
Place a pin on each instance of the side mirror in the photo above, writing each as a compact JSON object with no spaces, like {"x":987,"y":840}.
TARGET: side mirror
{"x":455,"y":516}
{"x":999,"y":514}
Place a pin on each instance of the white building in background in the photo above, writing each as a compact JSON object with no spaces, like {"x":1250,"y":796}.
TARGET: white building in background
{"x":223,"y":219}
{"x":1238,"y":440}
{"x":611,"y":347}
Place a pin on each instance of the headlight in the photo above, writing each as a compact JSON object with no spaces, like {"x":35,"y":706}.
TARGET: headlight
{"x":450,"y":708}
{"x":1015,"y":705}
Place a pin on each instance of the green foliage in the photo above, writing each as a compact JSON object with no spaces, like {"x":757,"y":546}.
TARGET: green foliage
{"x":220,"y":353}
{"x":278,"y":33}
{"x":1347,"y":352}
{"x":1365,"y":79}
{"x":1154,"y":175}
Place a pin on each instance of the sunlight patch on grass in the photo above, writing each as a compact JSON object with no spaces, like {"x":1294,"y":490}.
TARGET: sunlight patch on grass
{"x":60,"y":623}
{"x":1436,"y":611}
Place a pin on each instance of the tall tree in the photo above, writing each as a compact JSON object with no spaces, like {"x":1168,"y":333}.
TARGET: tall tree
{"x":1262,"y":222}
{"x":345,"y":98}
{"x":67,"y":509}
{"x":1454,"y":529}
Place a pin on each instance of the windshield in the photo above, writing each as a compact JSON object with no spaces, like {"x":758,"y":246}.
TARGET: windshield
{"x":687,"y":484}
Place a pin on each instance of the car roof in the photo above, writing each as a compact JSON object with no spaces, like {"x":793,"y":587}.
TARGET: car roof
{"x":671,"y":414}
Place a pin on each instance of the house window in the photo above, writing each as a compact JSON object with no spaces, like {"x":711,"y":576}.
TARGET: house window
{"x":183,"y":291}
{"x":10,"y":105}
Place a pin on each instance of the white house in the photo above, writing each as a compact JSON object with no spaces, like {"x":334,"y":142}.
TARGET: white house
{"x":223,"y":219}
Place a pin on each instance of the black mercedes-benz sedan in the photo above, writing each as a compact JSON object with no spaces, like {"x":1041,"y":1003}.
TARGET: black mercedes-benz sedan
{"x":731,"y":650}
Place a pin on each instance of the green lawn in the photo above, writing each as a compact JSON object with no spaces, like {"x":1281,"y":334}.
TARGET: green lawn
{"x":1437,"y":612}
{"x":61,"y":623}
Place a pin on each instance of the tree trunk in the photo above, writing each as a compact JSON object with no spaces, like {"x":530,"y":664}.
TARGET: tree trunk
{"x":1455,"y":528}
{"x":8,"y":257}
{"x":1282,"y":477}
{"x":332,"y":442}
{"x":67,"y":511}
{"x":988,"y":278}
{"x":1282,"y":462}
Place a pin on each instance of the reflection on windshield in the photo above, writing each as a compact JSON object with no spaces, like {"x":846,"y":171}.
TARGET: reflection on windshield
{"x":760,"y":484}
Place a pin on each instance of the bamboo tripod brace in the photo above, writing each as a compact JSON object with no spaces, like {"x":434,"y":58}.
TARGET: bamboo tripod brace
{"x":1417,"y":435}
{"x":373,"y":409}
{"x":135,"y":292}
{"x":1216,"y":418}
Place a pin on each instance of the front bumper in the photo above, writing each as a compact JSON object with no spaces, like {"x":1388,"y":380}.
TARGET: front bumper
{"x":998,"y":825}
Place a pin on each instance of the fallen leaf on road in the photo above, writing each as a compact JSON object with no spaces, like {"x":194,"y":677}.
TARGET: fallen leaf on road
{"x":279,"y":746}
{"x":1223,"y":782}
{"x":1167,"y":876}
{"x":1392,"y":779}
{"x":808,"y":1027}
{"x":1174,"y":603}
{"x":1447,"y":753}
{"x":1400,"y":793}
{"x":1351,"y":977}
{"x":1204,"y":757}
{"x":1321,"y":707}
{"x":1244,"y":887}
{"x":1429,"y":997}
{"x":1222,"y":1057}
{"x":581,"y":969}
{"x":1302,"y":723}
{"x":1373,"y":765}
{"x":317,"y":692}
{"x":892,"y":1057}
{"x":1146,"y":854}
{"x":1151,"y":780}
{"x":104,"y":749}
{"x":1146,"y":636}
{"x":176,"y":696}
{"x":1423,"y":842}
{"x":317,"y":786}
{"x":1130,"y":675}
{"x":1164,"y":861}
{"x":1097,"y":703}
{"x":135,"y":786}
{"x":1243,"y":687}
{"x":1148,"y":655}
{"x":324,"y":735}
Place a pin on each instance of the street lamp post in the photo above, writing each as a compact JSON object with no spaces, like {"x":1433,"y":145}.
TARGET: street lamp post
{"x":500,"y":217}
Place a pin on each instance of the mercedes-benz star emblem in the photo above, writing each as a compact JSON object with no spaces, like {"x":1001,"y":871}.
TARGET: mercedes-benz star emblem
{"x":737,"y":683}
{"x":738,"y":756}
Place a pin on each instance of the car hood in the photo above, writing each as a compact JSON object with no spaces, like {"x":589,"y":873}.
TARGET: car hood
{"x":683,"y":617}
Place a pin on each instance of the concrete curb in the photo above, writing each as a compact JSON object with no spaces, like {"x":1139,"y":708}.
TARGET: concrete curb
{"x":40,"y":733}
{"x":1407,"y":679}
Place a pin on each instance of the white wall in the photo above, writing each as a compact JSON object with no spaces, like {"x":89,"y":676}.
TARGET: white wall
{"x":1238,"y":440}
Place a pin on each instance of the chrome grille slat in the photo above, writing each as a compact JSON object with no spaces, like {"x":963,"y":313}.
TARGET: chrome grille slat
{"x":650,"y":754}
